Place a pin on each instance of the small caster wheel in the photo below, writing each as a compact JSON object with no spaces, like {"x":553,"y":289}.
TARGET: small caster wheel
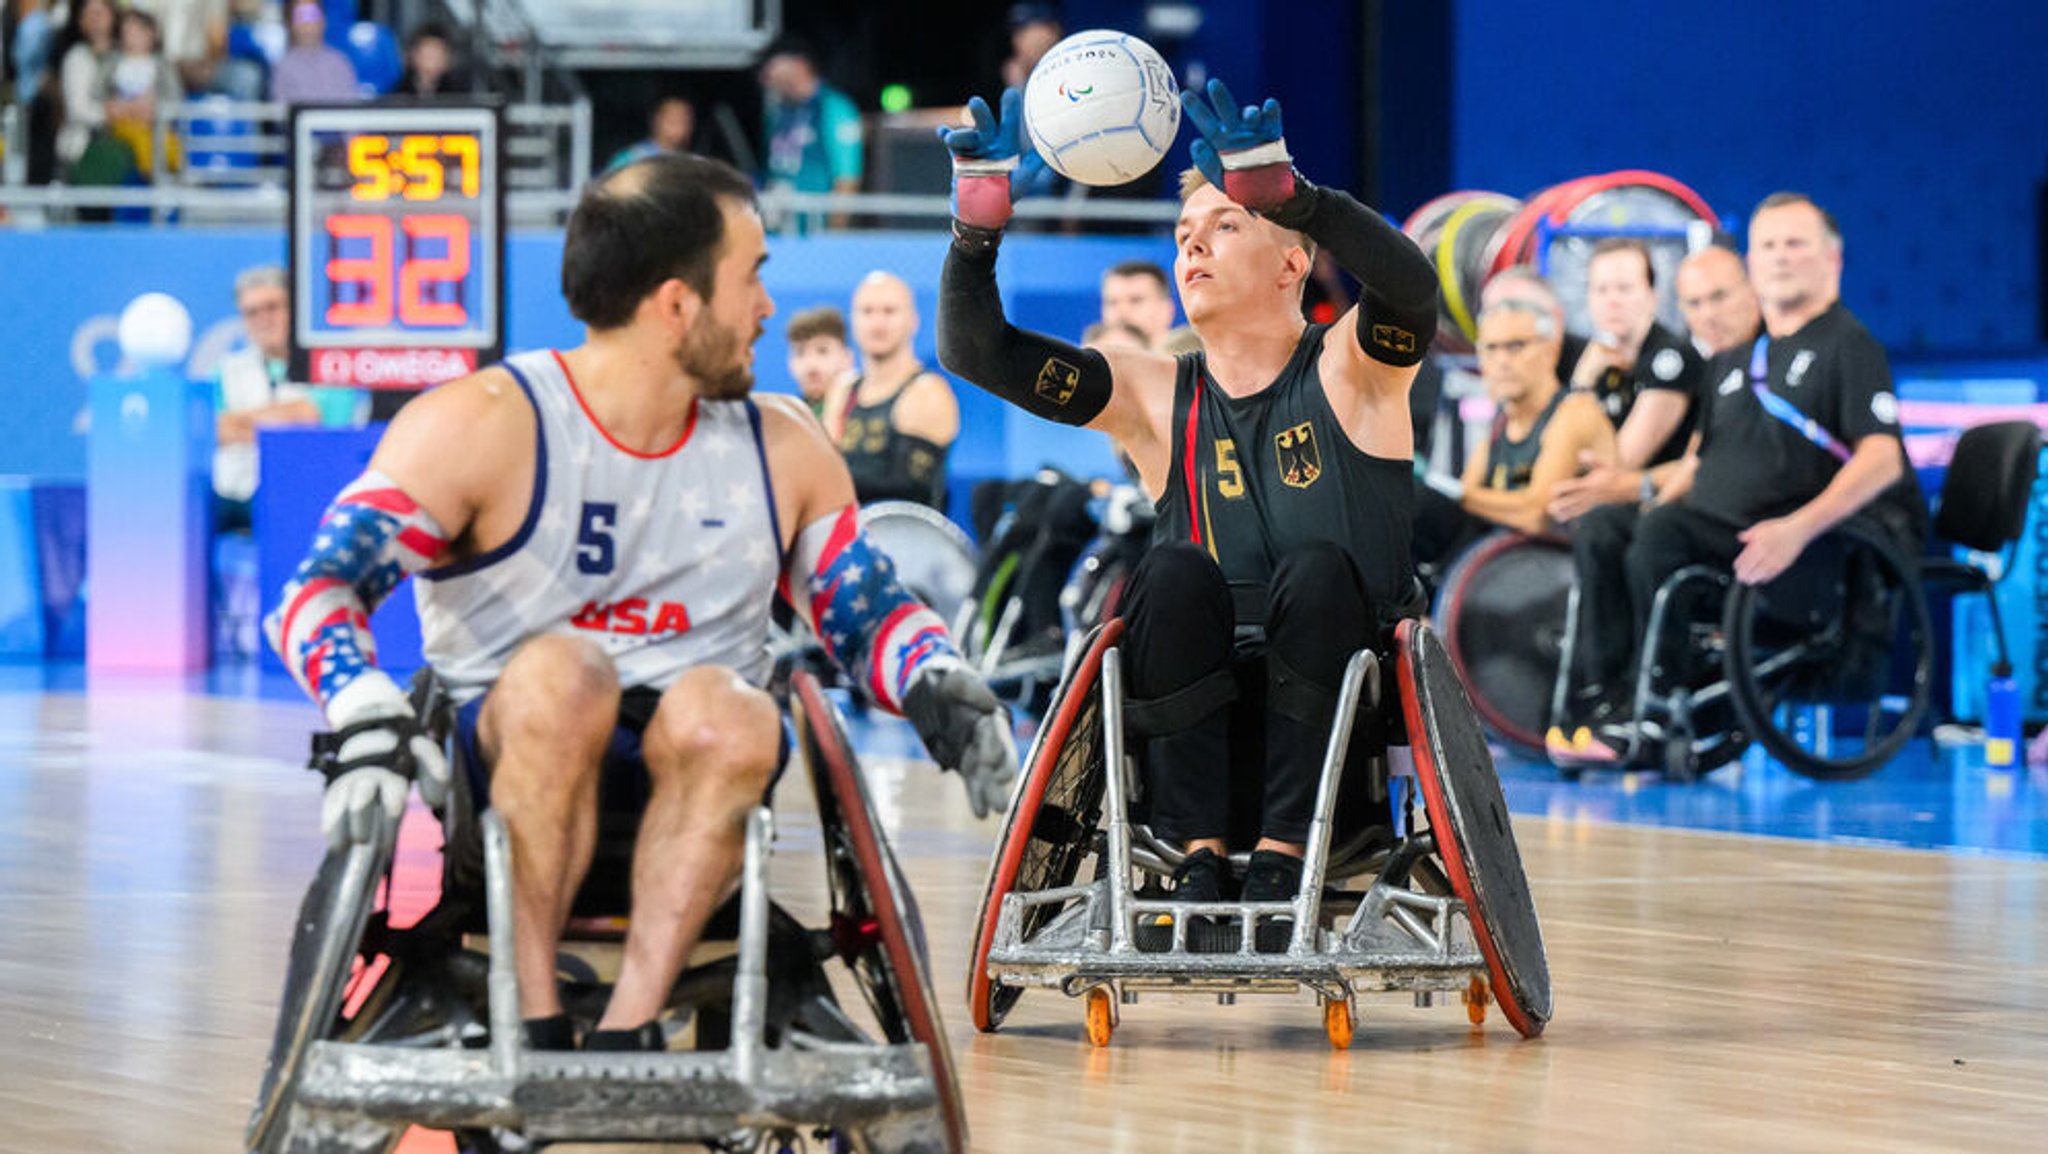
{"x":1476,"y":998}
{"x":1101,"y":1017}
{"x":1338,"y":1022}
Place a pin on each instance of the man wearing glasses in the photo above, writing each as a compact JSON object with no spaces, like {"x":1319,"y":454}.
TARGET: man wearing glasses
{"x":253,"y":393}
{"x":1541,"y":433}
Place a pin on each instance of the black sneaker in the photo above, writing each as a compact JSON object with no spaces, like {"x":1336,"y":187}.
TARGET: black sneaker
{"x":645,"y":1038}
{"x":555,"y":1032}
{"x":1200,"y":877}
{"x":1272,"y":876}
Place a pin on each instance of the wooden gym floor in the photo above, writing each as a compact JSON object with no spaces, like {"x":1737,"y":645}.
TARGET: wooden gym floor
{"x":1753,"y":962}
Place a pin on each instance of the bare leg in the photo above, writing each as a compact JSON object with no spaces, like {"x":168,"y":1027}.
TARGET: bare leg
{"x":710,"y":753}
{"x":544,"y":729}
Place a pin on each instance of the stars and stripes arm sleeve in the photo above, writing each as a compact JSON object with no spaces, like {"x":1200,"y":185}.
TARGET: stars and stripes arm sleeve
{"x":872,"y":627}
{"x":370,"y":538}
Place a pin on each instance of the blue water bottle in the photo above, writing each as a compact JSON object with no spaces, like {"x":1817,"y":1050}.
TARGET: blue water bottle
{"x":2002,"y":734}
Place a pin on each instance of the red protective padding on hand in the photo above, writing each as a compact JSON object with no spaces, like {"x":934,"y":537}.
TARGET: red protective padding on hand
{"x":982,"y":201}
{"x":1261,"y":189}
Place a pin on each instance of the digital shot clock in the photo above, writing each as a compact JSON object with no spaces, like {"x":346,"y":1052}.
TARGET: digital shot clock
{"x":397,"y":243}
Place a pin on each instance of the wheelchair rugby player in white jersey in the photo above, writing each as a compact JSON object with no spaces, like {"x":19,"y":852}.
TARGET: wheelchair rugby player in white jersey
{"x":600,"y":534}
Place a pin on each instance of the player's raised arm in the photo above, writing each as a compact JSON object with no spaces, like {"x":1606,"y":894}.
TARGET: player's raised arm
{"x":1040,"y":374}
{"x":1243,"y":152}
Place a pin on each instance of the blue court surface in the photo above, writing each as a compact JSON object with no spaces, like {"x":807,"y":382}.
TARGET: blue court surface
{"x":1931,"y":797}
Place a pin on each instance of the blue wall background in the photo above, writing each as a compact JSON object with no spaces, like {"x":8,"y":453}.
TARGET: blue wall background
{"x":61,"y":290}
{"x":1924,"y":127}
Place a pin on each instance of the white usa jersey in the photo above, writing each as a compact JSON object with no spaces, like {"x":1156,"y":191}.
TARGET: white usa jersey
{"x":665,"y":560}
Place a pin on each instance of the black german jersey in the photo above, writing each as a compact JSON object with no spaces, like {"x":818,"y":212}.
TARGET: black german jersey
{"x":888,"y":465}
{"x":1511,"y":461}
{"x":1755,"y":466}
{"x":1256,"y":477}
{"x":1666,"y":361}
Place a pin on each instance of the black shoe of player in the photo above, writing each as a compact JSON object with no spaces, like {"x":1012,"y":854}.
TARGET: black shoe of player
{"x":1272,"y":876}
{"x":646,"y":1038}
{"x":554,"y":1032}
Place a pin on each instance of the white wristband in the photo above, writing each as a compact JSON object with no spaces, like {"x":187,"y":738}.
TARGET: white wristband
{"x":1274,"y":152}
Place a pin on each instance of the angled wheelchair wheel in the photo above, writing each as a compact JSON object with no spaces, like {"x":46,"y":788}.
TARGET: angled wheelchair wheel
{"x":1501,"y":614}
{"x":875,"y":921}
{"x":1831,"y":666}
{"x":934,"y":558}
{"x":1052,"y":822}
{"x":324,"y":974}
{"x":1468,"y":817}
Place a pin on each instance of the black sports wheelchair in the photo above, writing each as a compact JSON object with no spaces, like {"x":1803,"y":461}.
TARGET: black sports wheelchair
{"x":1830,"y":667}
{"x":384,"y":1026}
{"x":1412,"y":881}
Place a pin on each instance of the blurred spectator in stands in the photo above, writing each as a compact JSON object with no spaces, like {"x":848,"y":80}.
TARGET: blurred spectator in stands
{"x":312,"y":70}
{"x":813,"y":130}
{"x":85,"y":55}
{"x":671,"y":126}
{"x":1034,"y":29}
{"x":252,"y":393}
{"x":140,"y":82}
{"x":31,"y":33}
{"x":1140,"y":294}
{"x":819,"y":357}
{"x":194,"y":38}
{"x":430,"y":69}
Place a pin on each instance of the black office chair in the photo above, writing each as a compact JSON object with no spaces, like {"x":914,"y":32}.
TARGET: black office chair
{"x":1983,"y":507}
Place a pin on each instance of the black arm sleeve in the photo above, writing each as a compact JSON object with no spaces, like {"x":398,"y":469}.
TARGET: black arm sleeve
{"x":1397,"y":313}
{"x":1046,"y":377}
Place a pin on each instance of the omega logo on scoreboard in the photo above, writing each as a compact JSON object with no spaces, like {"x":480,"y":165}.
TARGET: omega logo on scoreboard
{"x":397,"y":243}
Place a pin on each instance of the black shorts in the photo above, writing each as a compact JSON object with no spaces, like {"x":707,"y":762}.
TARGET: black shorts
{"x":622,"y":780}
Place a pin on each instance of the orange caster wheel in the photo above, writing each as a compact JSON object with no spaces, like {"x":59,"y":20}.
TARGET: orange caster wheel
{"x":1476,"y":997}
{"x":1101,"y":1017}
{"x":1338,"y":1022}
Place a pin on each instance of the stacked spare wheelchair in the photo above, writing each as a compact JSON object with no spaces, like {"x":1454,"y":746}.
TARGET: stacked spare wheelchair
{"x":1412,"y":881}
{"x":387,"y":1026}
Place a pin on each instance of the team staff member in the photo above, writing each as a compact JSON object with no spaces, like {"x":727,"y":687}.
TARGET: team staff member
{"x":1800,"y":433}
{"x":896,"y":422}
{"x":598,"y":562}
{"x":1279,"y":458}
{"x":1720,"y":309}
{"x":1644,"y":374}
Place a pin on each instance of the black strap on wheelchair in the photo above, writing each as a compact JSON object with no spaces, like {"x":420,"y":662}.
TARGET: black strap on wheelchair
{"x":1181,"y":709}
{"x":326,"y":759}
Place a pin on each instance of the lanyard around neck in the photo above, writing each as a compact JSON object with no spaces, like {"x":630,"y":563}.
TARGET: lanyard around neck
{"x":1784,"y":410}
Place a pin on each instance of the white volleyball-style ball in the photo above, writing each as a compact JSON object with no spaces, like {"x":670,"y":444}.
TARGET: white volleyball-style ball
{"x":1102,"y":107}
{"x":155,"y":330}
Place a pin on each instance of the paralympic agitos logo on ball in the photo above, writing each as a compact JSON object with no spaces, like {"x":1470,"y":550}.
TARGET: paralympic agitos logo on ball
{"x":1075,"y":93}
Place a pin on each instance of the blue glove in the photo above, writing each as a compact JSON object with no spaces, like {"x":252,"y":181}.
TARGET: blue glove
{"x":1240,"y":151}
{"x":992,"y":162}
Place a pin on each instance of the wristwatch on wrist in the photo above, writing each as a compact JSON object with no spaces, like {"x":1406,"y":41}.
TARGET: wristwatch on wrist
{"x":1646,"y":496}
